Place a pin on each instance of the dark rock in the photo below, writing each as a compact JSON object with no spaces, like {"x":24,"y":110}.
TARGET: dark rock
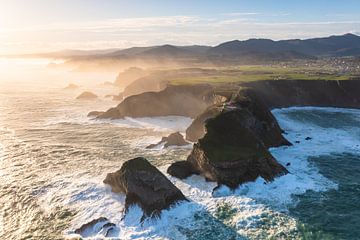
{"x":96,"y":227}
{"x":297,"y":141}
{"x":188,"y":101}
{"x":144,"y":185}
{"x":87,"y":95}
{"x":308,"y":138}
{"x":288,"y":164}
{"x":263,"y":123}
{"x":234,"y":149}
{"x":289,"y":93}
{"x":182,"y":169}
{"x":174,"y":139}
{"x":197,"y":128}
{"x":95,"y":113}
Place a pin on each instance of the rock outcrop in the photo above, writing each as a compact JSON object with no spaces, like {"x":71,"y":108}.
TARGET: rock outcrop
{"x":97,"y":227}
{"x":182,"y":169}
{"x":234,"y":149}
{"x":144,"y":185}
{"x":174,"y":139}
{"x":87,"y":96}
{"x":197,"y":128}
{"x":182,"y":100}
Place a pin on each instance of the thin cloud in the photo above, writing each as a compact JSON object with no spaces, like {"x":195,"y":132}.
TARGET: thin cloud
{"x":234,"y":14}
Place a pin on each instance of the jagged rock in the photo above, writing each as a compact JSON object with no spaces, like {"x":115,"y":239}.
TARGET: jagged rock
{"x":95,"y":113}
{"x":263,"y":123}
{"x":182,"y":169}
{"x":144,"y":185}
{"x":71,"y":86}
{"x":234,"y":149}
{"x":100,"y":226}
{"x":174,"y":139}
{"x":87,"y":95}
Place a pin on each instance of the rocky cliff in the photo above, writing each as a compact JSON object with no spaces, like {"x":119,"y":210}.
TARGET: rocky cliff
{"x":285,"y":93}
{"x":289,"y":93}
{"x":234,"y":149}
{"x":184,"y":100}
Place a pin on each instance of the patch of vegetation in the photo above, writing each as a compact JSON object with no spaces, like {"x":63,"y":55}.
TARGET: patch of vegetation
{"x":256,"y":73}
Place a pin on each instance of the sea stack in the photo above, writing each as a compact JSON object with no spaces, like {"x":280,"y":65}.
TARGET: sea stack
{"x":144,"y":185}
{"x":234,"y":149}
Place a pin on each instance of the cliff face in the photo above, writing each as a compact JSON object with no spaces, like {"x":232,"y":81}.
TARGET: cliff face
{"x":186,"y":101}
{"x":289,"y":93}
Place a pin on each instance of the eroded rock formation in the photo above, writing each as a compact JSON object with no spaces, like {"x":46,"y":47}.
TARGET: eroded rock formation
{"x":144,"y":185}
{"x":234,"y":149}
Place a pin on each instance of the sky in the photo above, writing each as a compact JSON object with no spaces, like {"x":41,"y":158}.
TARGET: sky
{"x":28,"y":26}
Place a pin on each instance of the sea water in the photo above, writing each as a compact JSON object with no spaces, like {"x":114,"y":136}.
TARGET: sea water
{"x":53,"y":159}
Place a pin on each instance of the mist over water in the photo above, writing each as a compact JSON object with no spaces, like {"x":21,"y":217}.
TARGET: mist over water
{"x":53,"y":160}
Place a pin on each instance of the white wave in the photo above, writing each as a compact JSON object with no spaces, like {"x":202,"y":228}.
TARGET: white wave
{"x":161,"y":124}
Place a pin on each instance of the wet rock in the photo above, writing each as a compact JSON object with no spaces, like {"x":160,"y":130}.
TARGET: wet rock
{"x":144,"y":185}
{"x":174,"y":139}
{"x":100,"y":226}
{"x":182,"y":169}
{"x":87,"y":95}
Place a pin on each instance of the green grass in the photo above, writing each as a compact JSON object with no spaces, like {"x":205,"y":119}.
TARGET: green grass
{"x":256,"y":73}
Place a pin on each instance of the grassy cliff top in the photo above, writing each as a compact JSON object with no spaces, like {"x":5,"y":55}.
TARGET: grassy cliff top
{"x":262,"y":72}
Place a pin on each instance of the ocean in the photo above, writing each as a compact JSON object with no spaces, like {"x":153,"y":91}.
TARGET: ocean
{"x":53,"y":159}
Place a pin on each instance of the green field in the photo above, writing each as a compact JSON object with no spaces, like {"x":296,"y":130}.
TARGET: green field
{"x":255,"y":73}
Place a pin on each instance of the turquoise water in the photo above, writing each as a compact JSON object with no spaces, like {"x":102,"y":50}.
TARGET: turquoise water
{"x":332,"y":214}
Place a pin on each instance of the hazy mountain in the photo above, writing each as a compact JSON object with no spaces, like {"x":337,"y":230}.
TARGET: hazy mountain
{"x":344,"y":45}
{"x":248,"y":50}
